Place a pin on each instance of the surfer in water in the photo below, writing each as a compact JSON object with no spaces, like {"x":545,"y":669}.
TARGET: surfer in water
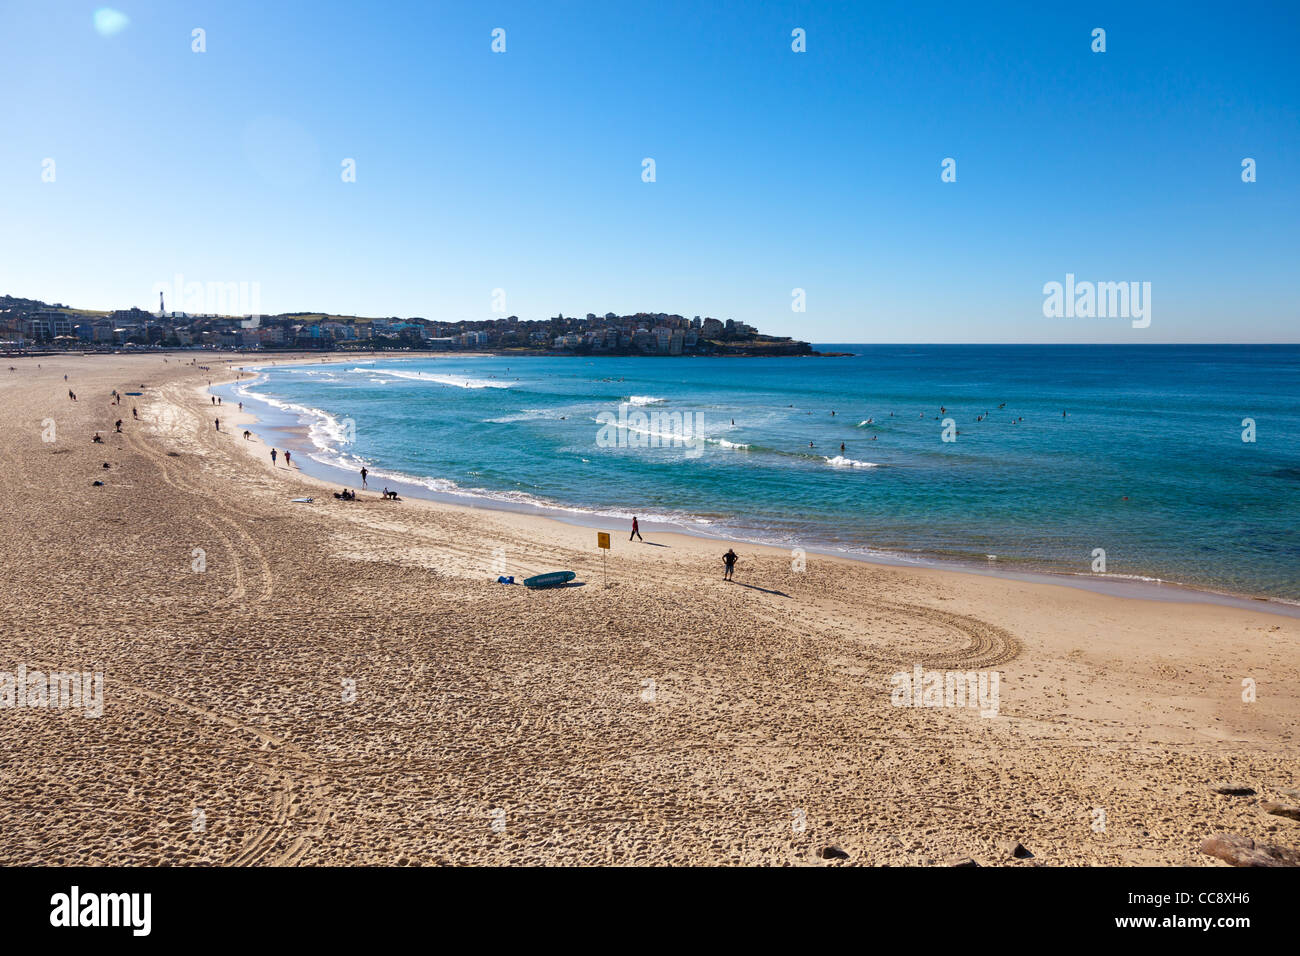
{"x":636,"y":530}
{"x":729,"y":563}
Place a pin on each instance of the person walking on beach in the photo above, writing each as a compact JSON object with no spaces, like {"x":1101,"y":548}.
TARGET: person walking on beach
{"x":287,"y":457}
{"x":636,"y":530}
{"x":729,"y":562}
{"x":119,"y":425}
{"x":363,"y":474}
{"x":272,"y":457}
{"x":217,"y":422}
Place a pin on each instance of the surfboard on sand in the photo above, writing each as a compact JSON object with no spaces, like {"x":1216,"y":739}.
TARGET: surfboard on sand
{"x":551,"y":579}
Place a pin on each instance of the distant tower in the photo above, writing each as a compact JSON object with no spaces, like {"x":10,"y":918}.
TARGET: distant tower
{"x":162,"y":309}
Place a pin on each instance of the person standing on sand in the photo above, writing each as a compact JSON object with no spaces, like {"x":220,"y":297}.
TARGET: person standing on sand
{"x":636,"y":530}
{"x":729,"y":562}
{"x":217,"y":422}
{"x":363,"y":475}
{"x":272,"y":457}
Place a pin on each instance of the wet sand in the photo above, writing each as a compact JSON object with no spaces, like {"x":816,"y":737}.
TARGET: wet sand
{"x":345,"y":683}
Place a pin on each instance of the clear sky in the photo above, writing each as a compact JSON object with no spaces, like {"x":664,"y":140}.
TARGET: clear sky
{"x":775,"y":170}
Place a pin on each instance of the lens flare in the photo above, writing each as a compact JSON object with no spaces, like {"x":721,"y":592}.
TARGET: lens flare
{"x":110,"y":22}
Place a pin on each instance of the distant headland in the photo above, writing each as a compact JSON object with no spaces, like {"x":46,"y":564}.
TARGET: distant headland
{"x":29,"y":324}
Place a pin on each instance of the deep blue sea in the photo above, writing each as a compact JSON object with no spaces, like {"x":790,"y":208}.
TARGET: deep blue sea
{"x":1147,"y":462}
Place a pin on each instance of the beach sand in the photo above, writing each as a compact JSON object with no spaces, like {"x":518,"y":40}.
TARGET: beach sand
{"x":345,"y":683}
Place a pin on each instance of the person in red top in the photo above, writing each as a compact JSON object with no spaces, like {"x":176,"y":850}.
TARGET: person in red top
{"x":636,"y":530}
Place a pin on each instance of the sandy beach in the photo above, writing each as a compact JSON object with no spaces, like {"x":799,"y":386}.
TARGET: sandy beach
{"x":346,"y":683}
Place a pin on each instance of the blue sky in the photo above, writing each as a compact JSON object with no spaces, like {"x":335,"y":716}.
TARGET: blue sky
{"x":775,"y":170}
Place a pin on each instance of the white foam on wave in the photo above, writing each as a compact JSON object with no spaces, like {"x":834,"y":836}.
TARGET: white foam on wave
{"x":325,"y":431}
{"x":446,"y":486}
{"x":1126,"y":577}
{"x":839,"y":461}
{"x":527,"y":415}
{"x":645,"y":400}
{"x":459,"y":381}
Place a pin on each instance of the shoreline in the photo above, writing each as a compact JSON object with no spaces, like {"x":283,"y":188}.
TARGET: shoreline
{"x":1132,"y":587}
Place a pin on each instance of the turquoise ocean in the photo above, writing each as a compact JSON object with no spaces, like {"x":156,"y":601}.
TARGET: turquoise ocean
{"x":1055,"y":451}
